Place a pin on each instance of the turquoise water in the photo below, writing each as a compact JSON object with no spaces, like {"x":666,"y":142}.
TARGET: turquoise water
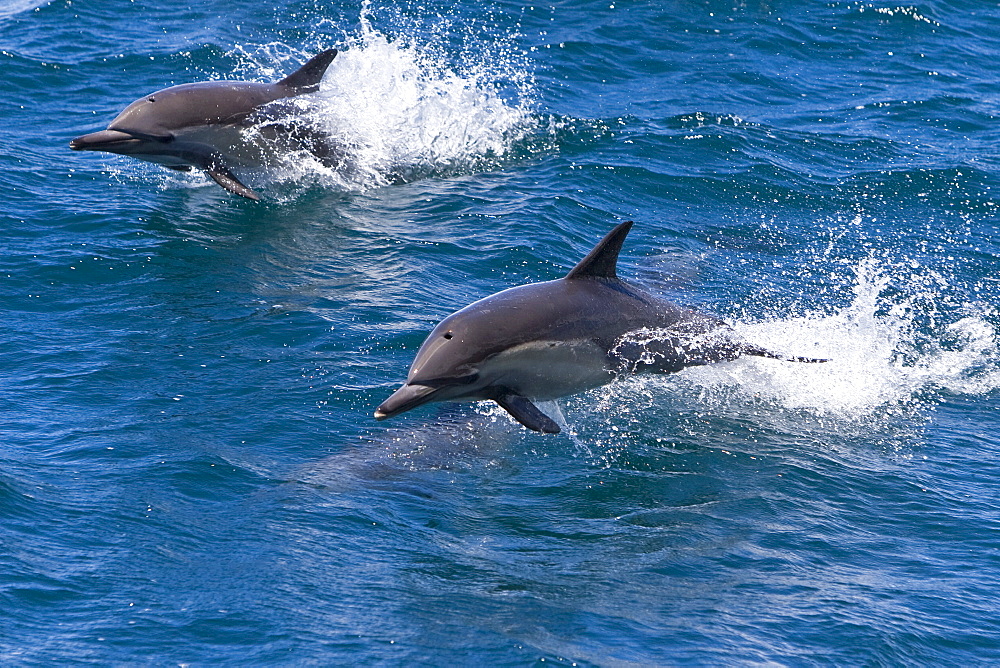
{"x":190,"y":472}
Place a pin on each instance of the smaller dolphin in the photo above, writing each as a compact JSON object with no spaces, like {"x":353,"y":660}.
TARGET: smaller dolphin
{"x":548,"y":340}
{"x":204,"y":125}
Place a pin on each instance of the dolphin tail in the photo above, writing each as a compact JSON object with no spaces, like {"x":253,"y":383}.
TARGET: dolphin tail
{"x":527,"y":413}
{"x":727,"y":351}
{"x":757,"y":351}
{"x":670,"y":354}
{"x":306,"y":79}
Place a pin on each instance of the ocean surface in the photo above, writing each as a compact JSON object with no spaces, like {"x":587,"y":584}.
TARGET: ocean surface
{"x":190,"y":471}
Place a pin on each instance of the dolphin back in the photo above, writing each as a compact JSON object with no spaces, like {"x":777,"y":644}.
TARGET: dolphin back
{"x":160,"y":114}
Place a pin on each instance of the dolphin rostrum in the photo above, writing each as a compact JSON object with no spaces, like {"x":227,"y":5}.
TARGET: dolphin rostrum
{"x":548,"y":340}
{"x":206,"y":125}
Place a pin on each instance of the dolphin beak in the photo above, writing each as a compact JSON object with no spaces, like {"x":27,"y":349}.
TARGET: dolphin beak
{"x":405,"y":398}
{"x":105,"y":140}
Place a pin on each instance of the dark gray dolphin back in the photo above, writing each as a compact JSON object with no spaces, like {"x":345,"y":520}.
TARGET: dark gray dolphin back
{"x":159,"y":114}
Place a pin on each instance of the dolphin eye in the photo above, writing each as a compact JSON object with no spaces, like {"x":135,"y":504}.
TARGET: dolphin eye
{"x":151,"y":99}
{"x":448,"y":335}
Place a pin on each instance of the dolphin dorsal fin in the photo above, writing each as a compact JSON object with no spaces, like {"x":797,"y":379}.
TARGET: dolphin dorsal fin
{"x":306,"y":79}
{"x":602,"y":261}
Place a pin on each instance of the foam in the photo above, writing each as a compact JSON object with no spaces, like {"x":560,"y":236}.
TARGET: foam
{"x":398,"y":110}
{"x":15,"y":7}
{"x":882,"y":349}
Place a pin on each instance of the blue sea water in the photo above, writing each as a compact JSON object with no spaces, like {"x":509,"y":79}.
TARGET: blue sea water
{"x":190,"y":473}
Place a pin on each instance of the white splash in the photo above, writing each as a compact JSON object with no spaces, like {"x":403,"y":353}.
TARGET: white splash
{"x":11,"y":8}
{"x":878,"y":352}
{"x":397,"y":110}
{"x":895,"y":350}
{"x":389,"y":109}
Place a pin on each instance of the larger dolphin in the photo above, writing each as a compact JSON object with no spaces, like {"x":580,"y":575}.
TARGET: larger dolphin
{"x":204,"y":125}
{"x":548,"y":340}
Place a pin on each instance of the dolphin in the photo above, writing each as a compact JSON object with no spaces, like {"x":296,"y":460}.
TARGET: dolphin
{"x":205,"y":125}
{"x":548,"y":340}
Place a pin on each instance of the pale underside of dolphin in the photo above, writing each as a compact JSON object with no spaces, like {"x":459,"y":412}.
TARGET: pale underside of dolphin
{"x":216,"y":126}
{"x":544,"y":341}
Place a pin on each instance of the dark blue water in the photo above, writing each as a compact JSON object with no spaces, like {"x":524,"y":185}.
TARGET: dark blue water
{"x":190,"y":472}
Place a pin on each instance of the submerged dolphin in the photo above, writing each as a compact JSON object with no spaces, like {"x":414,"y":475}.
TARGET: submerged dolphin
{"x":204,"y":125}
{"x":548,"y":340}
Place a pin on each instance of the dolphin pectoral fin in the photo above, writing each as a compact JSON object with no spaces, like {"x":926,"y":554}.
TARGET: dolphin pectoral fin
{"x":214,"y":164}
{"x":527,"y":413}
{"x":225,"y":178}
